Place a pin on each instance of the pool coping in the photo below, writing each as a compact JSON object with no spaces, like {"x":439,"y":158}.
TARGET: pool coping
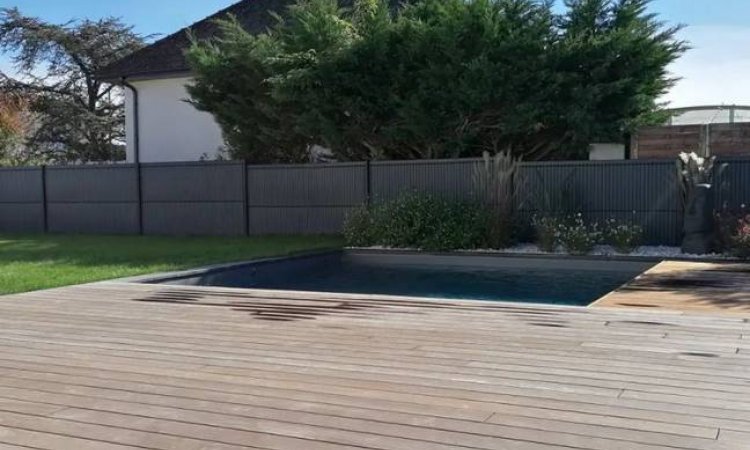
{"x":211,"y":268}
{"x":162,"y":277}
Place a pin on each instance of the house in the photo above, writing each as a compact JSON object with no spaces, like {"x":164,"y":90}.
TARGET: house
{"x":160,"y":125}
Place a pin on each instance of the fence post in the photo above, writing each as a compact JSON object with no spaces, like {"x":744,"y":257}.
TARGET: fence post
{"x":45,"y":214}
{"x":245,"y":199}
{"x":368,"y":182}
{"x":139,"y":194}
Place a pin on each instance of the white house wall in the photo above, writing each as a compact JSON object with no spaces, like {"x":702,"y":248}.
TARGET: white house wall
{"x":170,"y":128}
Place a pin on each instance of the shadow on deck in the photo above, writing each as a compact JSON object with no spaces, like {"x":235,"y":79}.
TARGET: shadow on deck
{"x":687,"y":286}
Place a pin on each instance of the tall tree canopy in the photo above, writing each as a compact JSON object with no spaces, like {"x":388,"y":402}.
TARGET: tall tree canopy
{"x":77,"y":117}
{"x":436,"y":79}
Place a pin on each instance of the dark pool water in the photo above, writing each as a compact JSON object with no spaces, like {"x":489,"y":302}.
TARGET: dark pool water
{"x":553,"y":285}
{"x":566,"y":287}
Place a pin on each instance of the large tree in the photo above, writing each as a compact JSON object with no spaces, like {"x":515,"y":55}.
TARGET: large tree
{"x":442,"y":78}
{"x":77,"y":116}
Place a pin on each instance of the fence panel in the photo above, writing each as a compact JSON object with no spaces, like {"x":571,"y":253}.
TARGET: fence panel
{"x":21,"y":200}
{"x":193,"y":198}
{"x":735,"y":184}
{"x":450,"y":179}
{"x":307,"y":199}
{"x":667,"y":142}
{"x":92,"y":199}
{"x":634,"y":191}
{"x":230,"y":198}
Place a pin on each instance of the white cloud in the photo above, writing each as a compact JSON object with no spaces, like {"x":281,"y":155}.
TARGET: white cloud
{"x":715,"y":71}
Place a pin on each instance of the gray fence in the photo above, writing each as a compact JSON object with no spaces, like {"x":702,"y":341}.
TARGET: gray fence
{"x":230,"y":198}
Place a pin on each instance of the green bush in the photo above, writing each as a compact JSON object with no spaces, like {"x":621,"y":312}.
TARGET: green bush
{"x":415,"y":220}
{"x":358,"y":230}
{"x":624,"y":237}
{"x":547,"y":233}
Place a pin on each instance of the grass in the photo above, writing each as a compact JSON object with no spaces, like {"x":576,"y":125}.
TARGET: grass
{"x":32,"y":262}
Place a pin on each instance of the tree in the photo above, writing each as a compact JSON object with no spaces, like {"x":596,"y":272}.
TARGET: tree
{"x":613,"y":58}
{"x":236,"y":75}
{"x":444,"y":79}
{"x":447,"y":78}
{"x":78,"y":117}
{"x":16,"y":122}
{"x":230,"y":82}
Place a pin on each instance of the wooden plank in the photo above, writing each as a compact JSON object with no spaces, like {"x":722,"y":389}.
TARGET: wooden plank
{"x":691,"y":287}
{"x":186,"y":367}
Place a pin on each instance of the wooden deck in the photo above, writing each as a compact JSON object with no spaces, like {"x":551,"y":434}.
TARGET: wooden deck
{"x":692,"y":287}
{"x":114,"y":366}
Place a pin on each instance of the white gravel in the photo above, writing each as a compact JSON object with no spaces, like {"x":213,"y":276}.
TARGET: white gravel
{"x":661,"y":251}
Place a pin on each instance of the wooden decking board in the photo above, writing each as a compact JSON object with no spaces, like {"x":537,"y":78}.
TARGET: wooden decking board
{"x":230,"y":392}
{"x":402,"y":342}
{"x":708,"y":393}
{"x":39,"y":440}
{"x":542,"y":333}
{"x":467,"y":432}
{"x":85,"y":378}
{"x":426,"y":390}
{"x":11,"y":446}
{"x":486,"y":377}
{"x":513,"y":438}
{"x":429,"y":349}
{"x":693,"y":370}
{"x":373,"y":421}
{"x":690,"y":287}
{"x":725,"y":326}
{"x":104,"y":434}
{"x":153,"y":366}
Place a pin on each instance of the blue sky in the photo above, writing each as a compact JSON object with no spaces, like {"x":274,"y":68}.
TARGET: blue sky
{"x":715,"y":71}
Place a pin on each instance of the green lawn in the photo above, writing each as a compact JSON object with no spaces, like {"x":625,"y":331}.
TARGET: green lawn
{"x":37,"y":262}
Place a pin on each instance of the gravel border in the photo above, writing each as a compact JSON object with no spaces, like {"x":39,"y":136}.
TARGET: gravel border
{"x":605,"y":251}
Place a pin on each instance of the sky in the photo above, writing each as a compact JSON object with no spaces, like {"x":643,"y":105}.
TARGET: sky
{"x":713,"y":72}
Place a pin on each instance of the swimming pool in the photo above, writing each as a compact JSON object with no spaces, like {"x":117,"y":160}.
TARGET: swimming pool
{"x":496,"y":278}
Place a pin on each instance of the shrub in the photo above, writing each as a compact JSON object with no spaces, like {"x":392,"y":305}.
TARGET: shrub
{"x":733,"y":228}
{"x":415,"y":220}
{"x":578,"y":237}
{"x":741,"y":238}
{"x":728,"y":221}
{"x":463,"y":226}
{"x":624,"y":237}
{"x":547,"y":233}
{"x":358,"y":229}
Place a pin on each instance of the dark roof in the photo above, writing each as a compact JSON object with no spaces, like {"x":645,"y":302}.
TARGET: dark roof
{"x":167,"y":55}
